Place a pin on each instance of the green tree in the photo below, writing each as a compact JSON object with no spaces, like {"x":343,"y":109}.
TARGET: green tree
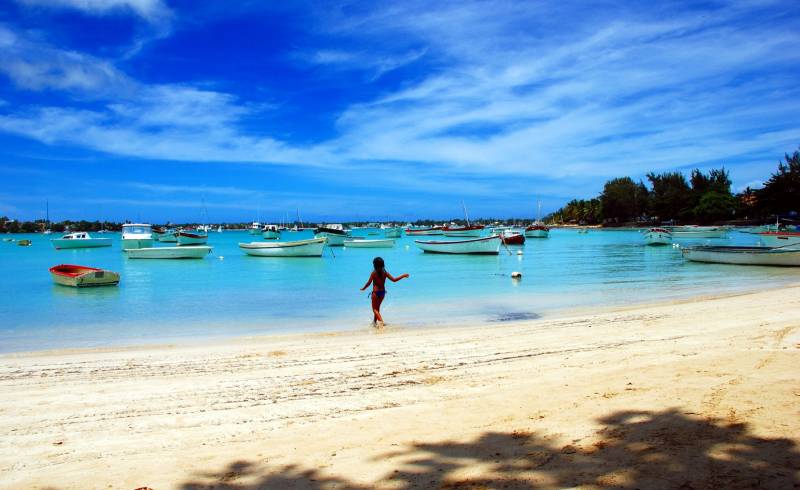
{"x":668,"y":198}
{"x":781,"y":193}
{"x":715,"y":206}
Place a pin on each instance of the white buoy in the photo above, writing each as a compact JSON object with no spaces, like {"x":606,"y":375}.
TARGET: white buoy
{"x":519,"y":252}
{"x":221,"y":257}
{"x":516,"y":275}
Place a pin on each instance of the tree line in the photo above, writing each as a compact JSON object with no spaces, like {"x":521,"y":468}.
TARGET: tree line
{"x":703,"y":198}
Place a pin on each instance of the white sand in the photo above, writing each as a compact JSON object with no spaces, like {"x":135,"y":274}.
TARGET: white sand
{"x":704,"y":394}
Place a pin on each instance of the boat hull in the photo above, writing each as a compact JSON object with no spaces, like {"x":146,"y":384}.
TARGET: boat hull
{"x":513,"y":238}
{"x":191,"y":239}
{"x":537,"y":233}
{"x":60,"y":244}
{"x":744,"y":256}
{"x":388,"y":243}
{"x":169,"y":237}
{"x":658,"y":237}
{"x":334,"y":239}
{"x":481,"y":246}
{"x":424,"y":232}
{"x":79,"y":277}
{"x":393,"y":232}
{"x":184,"y":252}
{"x":271,"y":235}
{"x":300,"y":248}
{"x":136,"y":243}
{"x":776,"y":239}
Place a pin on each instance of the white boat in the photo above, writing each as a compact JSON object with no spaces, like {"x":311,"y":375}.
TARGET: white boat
{"x":184,"y":252}
{"x":393,"y":232}
{"x":136,"y":235}
{"x":270,"y":232}
{"x":679,"y":232}
{"x":189,"y":238}
{"x":486,"y":245}
{"x":472,"y":231}
{"x":779,"y":238}
{"x":300,"y":248}
{"x":744,"y":255}
{"x":79,"y":239}
{"x":658,"y":236}
{"x":537,"y":230}
{"x":255,"y":228}
{"x":219,"y":229}
{"x":370,"y":243}
{"x":168,"y":236}
{"x":415,"y":231}
{"x":335,"y":233}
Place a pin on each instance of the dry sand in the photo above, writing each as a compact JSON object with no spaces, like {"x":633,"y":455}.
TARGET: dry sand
{"x":695,"y":394}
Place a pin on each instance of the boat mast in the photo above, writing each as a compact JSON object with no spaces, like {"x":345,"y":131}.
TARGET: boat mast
{"x":47,"y":215}
{"x":465,"y":212}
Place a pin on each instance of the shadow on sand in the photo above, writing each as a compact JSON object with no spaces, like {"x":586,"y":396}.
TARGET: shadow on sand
{"x":633,"y":449}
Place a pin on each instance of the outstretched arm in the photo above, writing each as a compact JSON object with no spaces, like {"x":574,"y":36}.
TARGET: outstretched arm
{"x":368,"y":282}
{"x":395,"y":279}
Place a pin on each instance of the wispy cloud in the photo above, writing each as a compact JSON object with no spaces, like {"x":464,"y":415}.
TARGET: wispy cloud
{"x":155,"y":11}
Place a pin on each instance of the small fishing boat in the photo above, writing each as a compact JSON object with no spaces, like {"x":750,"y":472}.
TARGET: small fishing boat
{"x":81,"y":276}
{"x":79,"y":239}
{"x":183,"y":252}
{"x":393,"y":232}
{"x":300,"y":248}
{"x":779,"y":238}
{"x":679,"y":232}
{"x":370,"y":243}
{"x":583,"y":231}
{"x":335,"y":233}
{"x":255,"y":228}
{"x":463,"y":231}
{"x":270,"y":232}
{"x":658,"y":236}
{"x":168,"y":236}
{"x":434,"y":230}
{"x":189,"y":238}
{"x":537,"y":230}
{"x":136,"y":235}
{"x":512,"y":237}
{"x":24,"y":243}
{"x":744,"y":255}
{"x":486,"y":245}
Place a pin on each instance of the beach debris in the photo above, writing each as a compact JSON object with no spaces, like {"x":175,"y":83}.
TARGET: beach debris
{"x":516,"y":275}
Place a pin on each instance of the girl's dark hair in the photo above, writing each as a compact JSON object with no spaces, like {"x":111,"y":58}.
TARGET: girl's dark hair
{"x":377,"y":263}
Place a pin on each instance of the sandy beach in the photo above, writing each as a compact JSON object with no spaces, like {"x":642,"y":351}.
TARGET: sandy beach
{"x":692,"y":394}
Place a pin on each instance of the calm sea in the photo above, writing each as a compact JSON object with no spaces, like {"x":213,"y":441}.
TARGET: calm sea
{"x":231,"y":294}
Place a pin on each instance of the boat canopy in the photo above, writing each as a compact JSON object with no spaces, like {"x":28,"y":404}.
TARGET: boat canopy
{"x":136,"y":228}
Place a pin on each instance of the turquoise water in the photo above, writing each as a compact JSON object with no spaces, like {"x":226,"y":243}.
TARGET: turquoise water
{"x":229,"y":293}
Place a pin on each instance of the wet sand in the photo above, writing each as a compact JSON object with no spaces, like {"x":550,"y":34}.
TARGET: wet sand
{"x":701,"y":394}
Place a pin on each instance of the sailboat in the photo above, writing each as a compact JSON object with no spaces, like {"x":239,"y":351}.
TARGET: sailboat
{"x":537,"y":229}
{"x":47,"y":230}
{"x":463,"y":231}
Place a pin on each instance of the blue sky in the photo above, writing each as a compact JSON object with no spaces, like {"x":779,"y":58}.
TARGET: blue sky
{"x":144,"y":109}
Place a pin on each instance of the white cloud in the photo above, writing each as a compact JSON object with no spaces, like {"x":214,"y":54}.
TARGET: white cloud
{"x":151,"y":10}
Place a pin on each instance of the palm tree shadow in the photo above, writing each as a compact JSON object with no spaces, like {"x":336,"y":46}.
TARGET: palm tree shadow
{"x":633,"y":449}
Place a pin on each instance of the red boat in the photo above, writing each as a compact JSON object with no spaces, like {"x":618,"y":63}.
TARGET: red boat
{"x":82,"y":276}
{"x":513,"y":238}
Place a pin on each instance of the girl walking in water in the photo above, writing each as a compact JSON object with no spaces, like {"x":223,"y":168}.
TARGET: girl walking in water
{"x":378,"y":281}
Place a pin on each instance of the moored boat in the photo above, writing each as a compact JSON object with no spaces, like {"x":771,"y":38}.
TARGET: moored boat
{"x":255,"y":228}
{"x":744,"y":255}
{"x":299,"y":248}
{"x":779,"y":238}
{"x":434,"y":230}
{"x":24,"y":243}
{"x":658,"y":236}
{"x":82,"y":276}
{"x":168,"y":236}
{"x":512,"y":237}
{"x":393,"y":232}
{"x":136,"y":235}
{"x":183,"y":252}
{"x":485,"y":245}
{"x":79,"y":239}
{"x":335,"y":233}
{"x":189,"y":238}
{"x":463,"y":231}
{"x":679,"y":232}
{"x":270,"y":232}
{"x":370,"y":243}
{"x":537,"y":230}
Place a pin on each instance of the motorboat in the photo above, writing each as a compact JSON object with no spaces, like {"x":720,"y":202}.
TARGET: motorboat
{"x":433,"y":230}
{"x":658,"y":236}
{"x":779,"y":238}
{"x":168,"y":236}
{"x":270,"y":232}
{"x":190,"y":238}
{"x":136,"y":235}
{"x":255,"y":228}
{"x":24,"y":243}
{"x":485,"y":245}
{"x":512,"y":237}
{"x":182,"y":252}
{"x":537,"y":230}
{"x":679,"y":232}
{"x":335,"y":233}
{"x":79,"y":239}
{"x":299,"y":248}
{"x":393,"y":232}
{"x":463,"y":231}
{"x":81,"y":276}
{"x":370,"y":243}
{"x":775,"y":256}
